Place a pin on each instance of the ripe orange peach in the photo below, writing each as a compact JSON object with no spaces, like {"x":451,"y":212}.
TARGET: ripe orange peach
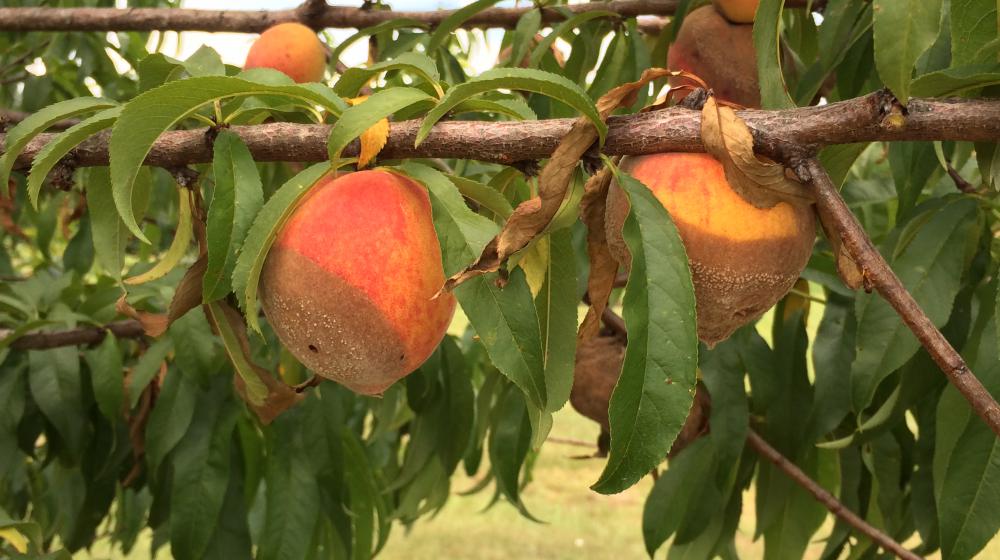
{"x":737,"y":11}
{"x":291,"y":48}
{"x":349,"y":283}
{"x":743,"y":258}
{"x":719,"y":52}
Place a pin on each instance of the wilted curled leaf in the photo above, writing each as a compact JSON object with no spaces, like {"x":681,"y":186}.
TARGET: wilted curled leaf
{"x":373,"y":139}
{"x":760,"y":182}
{"x":154,"y":324}
{"x":267,"y":396}
{"x":603,"y":266}
{"x":182,"y":238}
{"x":532,"y":216}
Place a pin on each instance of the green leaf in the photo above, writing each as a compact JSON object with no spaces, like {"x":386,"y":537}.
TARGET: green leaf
{"x":837,"y":160}
{"x":54,"y":379}
{"x":524,"y":79}
{"x":832,"y":354}
{"x":362,"y":116}
{"x":293,"y":495}
{"x":766,"y":43}
{"x":557,"y":303}
{"x":657,"y":383}
{"x":108,"y":230}
{"x":146,"y":368}
{"x":562,"y":29}
{"x":256,"y":391}
{"x":106,"y":376}
{"x":152,"y":113}
{"x":676,"y":492}
{"x":510,"y":439}
{"x":390,"y":25}
{"x":237,"y":198}
{"x":967,"y":459}
{"x":417,"y":64}
{"x":178,"y":245}
{"x":973,"y":26}
{"x":514,"y":108}
{"x":505,"y":319}
{"x":201,"y":473}
{"x":260,"y":236}
{"x":444,"y":30}
{"x":484,"y":195}
{"x":18,"y":137}
{"x":171,"y":416}
{"x":903,"y":29}
{"x":54,"y":151}
{"x":523,"y":35}
{"x":930,"y":266}
{"x":800,"y":515}
{"x":954,"y":81}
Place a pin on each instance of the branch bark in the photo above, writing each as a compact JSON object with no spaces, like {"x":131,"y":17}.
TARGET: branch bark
{"x":877,"y":271}
{"x":170,"y":19}
{"x":828,"y":500}
{"x":74,"y":337}
{"x":677,"y":129}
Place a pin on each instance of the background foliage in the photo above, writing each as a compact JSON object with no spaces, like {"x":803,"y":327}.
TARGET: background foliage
{"x":856,"y":404}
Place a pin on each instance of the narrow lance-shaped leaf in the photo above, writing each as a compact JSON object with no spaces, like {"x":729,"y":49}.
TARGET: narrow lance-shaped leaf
{"x":178,"y":246}
{"x":261,"y":234}
{"x":61,"y":145}
{"x":557,"y":304}
{"x":656,"y":387}
{"x":415,"y":63}
{"x":362,"y":116}
{"x":108,"y":230}
{"x":237,"y":198}
{"x":766,"y":42}
{"x":524,"y":79}
{"x":19,"y":136}
{"x":444,"y":30}
{"x":505,"y":319}
{"x":154,"y":112}
{"x":106,"y":376}
{"x":903,"y":29}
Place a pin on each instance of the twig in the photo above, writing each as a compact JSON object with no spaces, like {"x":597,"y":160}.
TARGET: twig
{"x":827,"y":499}
{"x":877,"y":271}
{"x":73,"y":337}
{"x":960,"y":182}
{"x":670,"y":130}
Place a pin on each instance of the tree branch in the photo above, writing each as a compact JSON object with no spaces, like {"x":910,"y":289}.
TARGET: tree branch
{"x":877,"y":271}
{"x":73,"y":337}
{"x":677,"y":129}
{"x":172,"y":19}
{"x":827,"y":499}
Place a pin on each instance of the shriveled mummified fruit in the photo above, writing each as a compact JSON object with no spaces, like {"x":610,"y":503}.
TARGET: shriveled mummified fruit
{"x":719,"y":52}
{"x":743,"y":259}
{"x":598,"y":365}
{"x":349,"y":283}
{"x":291,"y":48}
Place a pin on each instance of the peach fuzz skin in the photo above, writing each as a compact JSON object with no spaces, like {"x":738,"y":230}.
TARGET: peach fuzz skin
{"x":737,"y":11}
{"x":351,"y":280}
{"x":291,"y":48}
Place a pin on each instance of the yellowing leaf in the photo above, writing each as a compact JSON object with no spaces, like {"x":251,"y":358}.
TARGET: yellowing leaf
{"x":760,"y":182}
{"x":373,"y":139}
{"x":182,"y":238}
{"x":535,"y":264}
{"x":15,"y":538}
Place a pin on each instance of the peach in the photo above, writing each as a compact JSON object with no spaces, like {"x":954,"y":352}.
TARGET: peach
{"x":598,"y":365}
{"x":743,"y":258}
{"x":349,"y":284}
{"x":718,"y":52}
{"x":737,"y":11}
{"x":291,"y":48}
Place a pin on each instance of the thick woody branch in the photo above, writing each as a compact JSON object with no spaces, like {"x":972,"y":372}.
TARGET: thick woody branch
{"x":828,"y":500}
{"x":318,"y":17}
{"x":74,"y":337}
{"x":878,"y":273}
{"x":777,"y":134}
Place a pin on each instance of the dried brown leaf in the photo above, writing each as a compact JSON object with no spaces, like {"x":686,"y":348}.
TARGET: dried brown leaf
{"x":280,"y":397}
{"x":154,"y":324}
{"x":603,"y":266}
{"x":532,"y":216}
{"x":187,"y":296}
{"x":760,"y":182}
